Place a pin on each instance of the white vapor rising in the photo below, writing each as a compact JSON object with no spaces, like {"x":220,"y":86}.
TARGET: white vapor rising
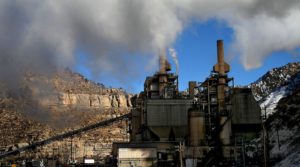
{"x":44,"y":36}
{"x":173,"y":54}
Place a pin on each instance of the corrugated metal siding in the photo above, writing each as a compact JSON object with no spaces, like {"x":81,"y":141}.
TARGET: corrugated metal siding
{"x":170,"y":112}
{"x":245,"y":109}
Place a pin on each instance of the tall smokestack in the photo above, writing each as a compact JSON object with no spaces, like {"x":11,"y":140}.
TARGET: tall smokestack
{"x":220,"y":56}
{"x":221,"y":67}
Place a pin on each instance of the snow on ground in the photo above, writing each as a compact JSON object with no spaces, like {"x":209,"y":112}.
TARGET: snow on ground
{"x":282,"y":141}
{"x":272,"y":99}
{"x":290,"y":161}
{"x":270,"y":102}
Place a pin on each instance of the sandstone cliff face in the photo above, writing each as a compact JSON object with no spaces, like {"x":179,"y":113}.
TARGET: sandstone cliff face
{"x":47,"y":106}
{"x":95,"y":100}
{"x":72,"y":89}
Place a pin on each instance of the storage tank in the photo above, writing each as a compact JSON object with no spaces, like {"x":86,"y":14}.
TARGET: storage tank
{"x":225,"y":133}
{"x":196,"y":128}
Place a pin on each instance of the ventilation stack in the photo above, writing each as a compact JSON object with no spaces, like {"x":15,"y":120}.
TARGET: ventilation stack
{"x":222,"y":68}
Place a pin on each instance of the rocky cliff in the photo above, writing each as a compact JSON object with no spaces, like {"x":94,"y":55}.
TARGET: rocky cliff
{"x":284,"y":131}
{"x":278,"y":92}
{"x":276,"y":84}
{"x":46,"y":106}
{"x":72,"y":89}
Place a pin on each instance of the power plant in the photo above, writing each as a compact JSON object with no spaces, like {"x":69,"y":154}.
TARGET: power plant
{"x":207,"y":126}
{"x":210,"y":124}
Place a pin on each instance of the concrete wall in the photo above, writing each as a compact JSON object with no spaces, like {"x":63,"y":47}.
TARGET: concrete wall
{"x":145,"y":157}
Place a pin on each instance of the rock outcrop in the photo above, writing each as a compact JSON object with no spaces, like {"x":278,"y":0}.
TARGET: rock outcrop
{"x":94,"y":100}
{"x":276,"y":84}
{"x":72,"y":89}
{"x":274,"y":80}
{"x":46,"y":106}
{"x":278,"y":92}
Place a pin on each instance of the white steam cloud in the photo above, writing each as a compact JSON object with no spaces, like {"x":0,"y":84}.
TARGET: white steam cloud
{"x":173,"y":54}
{"x":45,"y":36}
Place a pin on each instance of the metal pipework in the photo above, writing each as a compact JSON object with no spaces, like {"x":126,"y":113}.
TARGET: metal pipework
{"x":192,"y":85}
{"x":164,"y":65}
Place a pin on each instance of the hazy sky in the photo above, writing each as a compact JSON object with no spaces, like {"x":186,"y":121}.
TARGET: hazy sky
{"x":117,"y":42}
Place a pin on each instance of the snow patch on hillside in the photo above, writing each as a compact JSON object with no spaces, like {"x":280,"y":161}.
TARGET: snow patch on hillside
{"x":268,"y":105}
{"x":291,"y":161}
{"x":271,"y":101}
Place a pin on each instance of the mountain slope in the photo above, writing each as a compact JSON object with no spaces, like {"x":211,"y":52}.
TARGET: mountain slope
{"x":278,"y":92}
{"x":44,"y":106}
{"x":284,"y":130}
{"x":276,"y":84}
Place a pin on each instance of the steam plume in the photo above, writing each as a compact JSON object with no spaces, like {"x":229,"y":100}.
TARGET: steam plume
{"x":173,"y":54}
{"x":45,"y":35}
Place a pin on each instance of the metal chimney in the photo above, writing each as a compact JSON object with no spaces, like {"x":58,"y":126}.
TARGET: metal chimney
{"x":221,"y":67}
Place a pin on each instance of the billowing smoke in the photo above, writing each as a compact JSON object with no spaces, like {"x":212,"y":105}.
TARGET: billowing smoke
{"x":173,"y":54}
{"x":47,"y":35}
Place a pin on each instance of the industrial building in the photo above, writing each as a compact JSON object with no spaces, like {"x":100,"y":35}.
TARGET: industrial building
{"x":207,"y":126}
